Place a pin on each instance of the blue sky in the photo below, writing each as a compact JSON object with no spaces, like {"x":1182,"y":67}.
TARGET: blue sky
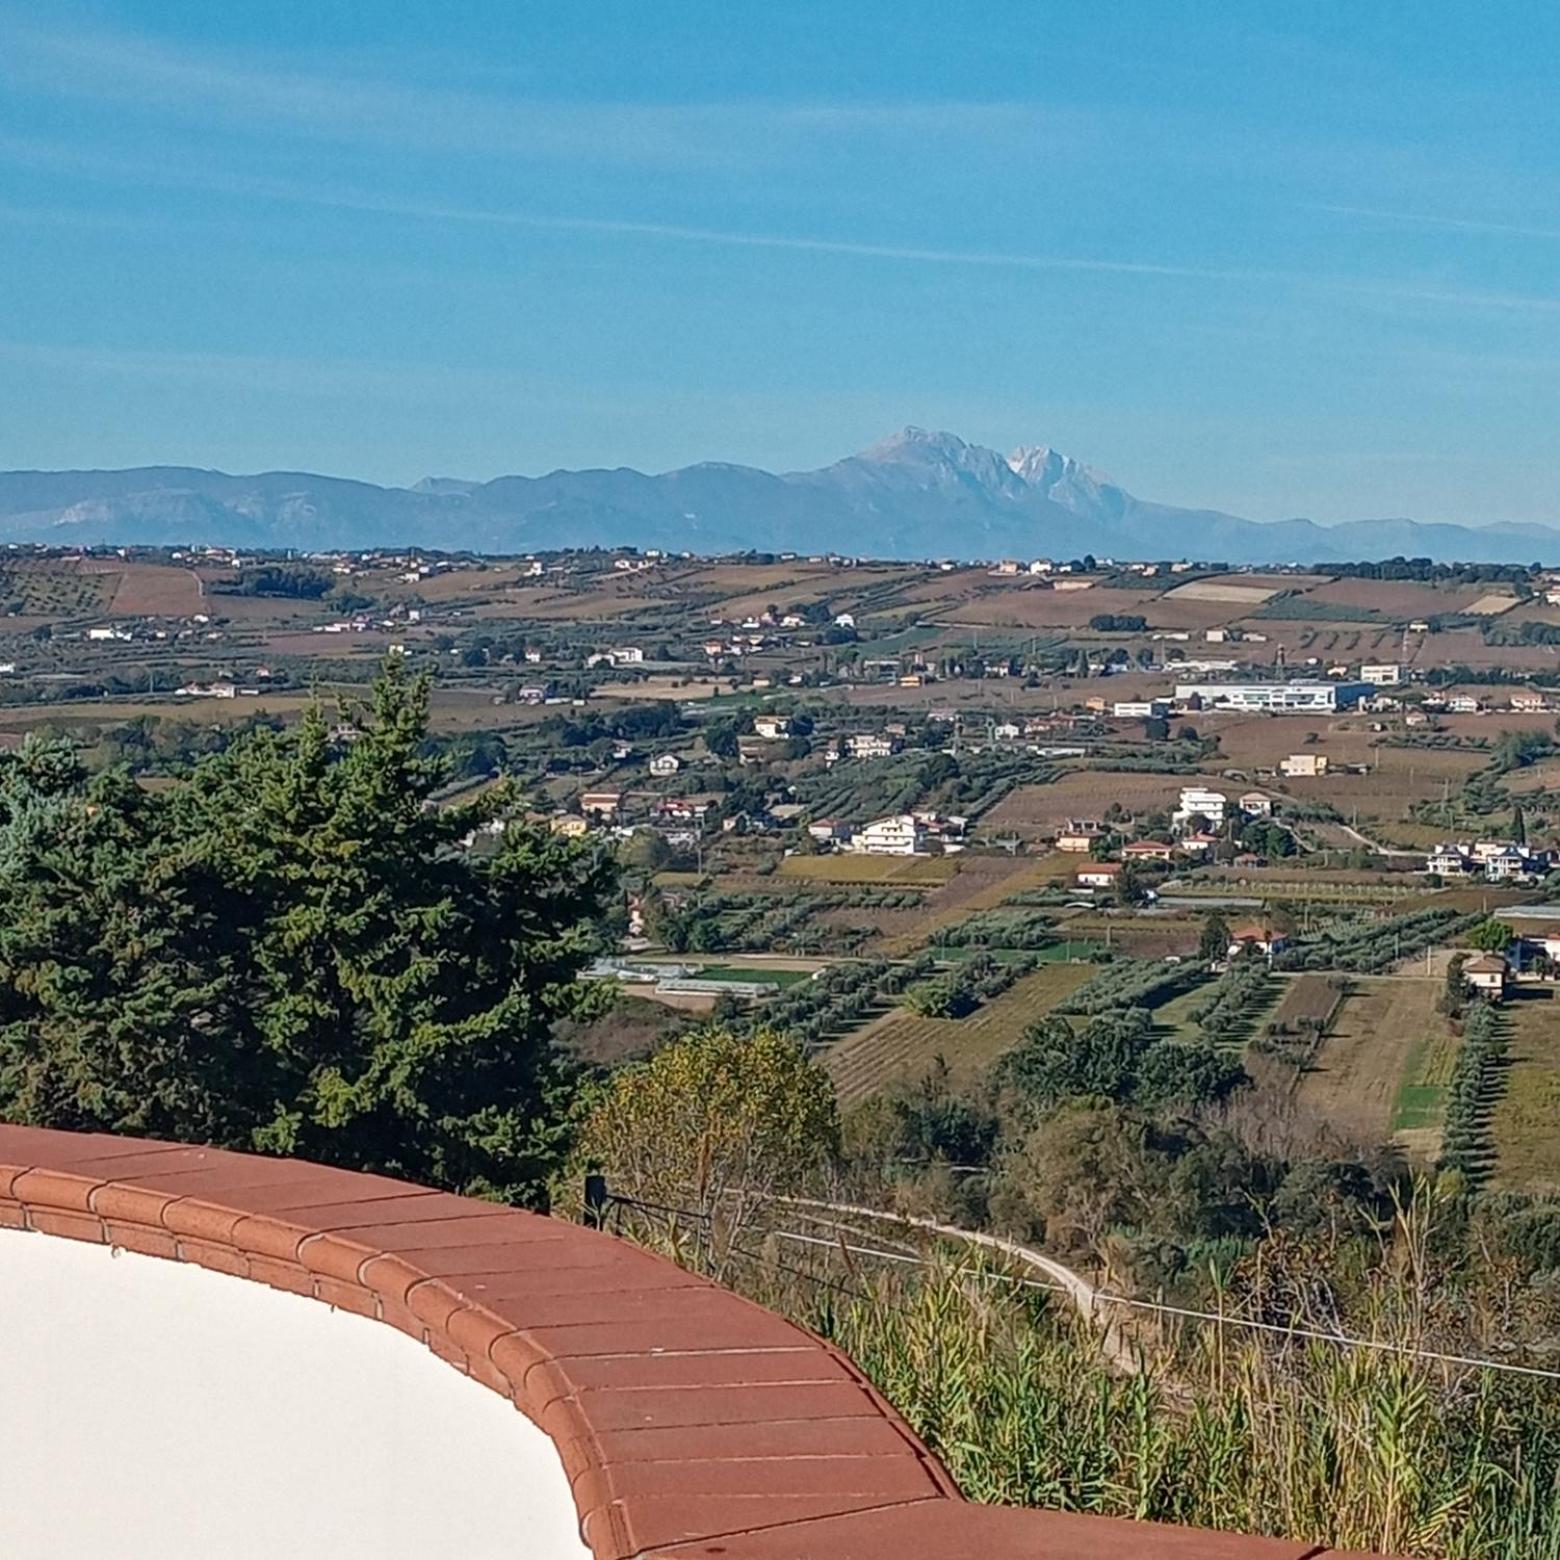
{"x":1277,"y":258}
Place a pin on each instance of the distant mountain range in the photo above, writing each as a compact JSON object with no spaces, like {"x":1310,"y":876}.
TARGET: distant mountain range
{"x":916,"y":495}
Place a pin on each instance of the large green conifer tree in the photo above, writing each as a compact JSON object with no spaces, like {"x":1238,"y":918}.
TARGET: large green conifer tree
{"x":293,"y":950}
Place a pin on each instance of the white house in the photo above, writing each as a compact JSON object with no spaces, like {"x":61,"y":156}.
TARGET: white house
{"x":665,"y":764}
{"x":899,"y":835}
{"x":1099,"y":874}
{"x":1381,"y":672}
{"x":772,"y":727}
{"x":1198,"y":799}
{"x":870,"y":745}
{"x":1487,"y":974}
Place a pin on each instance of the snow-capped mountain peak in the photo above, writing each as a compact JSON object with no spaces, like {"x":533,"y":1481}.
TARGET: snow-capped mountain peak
{"x":1059,"y":477}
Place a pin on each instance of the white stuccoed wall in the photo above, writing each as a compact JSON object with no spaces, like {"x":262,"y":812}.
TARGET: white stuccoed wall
{"x":151,"y":1410}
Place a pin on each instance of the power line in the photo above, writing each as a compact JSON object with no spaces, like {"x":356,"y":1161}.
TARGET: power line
{"x":1096,"y":1297}
{"x":1285,"y":1329}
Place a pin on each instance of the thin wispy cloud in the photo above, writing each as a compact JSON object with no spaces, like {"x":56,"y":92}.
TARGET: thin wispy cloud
{"x":1364,"y":289}
{"x":1441,"y":222}
{"x":248,"y":94}
{"x":326,"y":378}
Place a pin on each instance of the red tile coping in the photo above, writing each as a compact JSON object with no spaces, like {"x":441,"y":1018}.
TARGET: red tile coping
{"x":691,"y":1422}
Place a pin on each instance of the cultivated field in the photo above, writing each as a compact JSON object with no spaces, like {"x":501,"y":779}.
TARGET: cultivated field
{"x":1230,"y":591}
{"x":156,"y":590}
{"x":1527,"y":1118}
{"x":900,"y":1046}
{"x":871,"y":869}
{"x":1357,"y":1078}
{"x":1421,"y":1101}
{"x":1493,"y":604}
{"x":1399,"y":779}
{"x":1406,"y":599}
{"x":982,"y":884}
{"x":1309,"y":999}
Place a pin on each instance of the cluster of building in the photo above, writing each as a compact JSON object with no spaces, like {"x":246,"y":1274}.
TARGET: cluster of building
{"x":1497,"y":861}
{"x":1200,"y":813}
{"x":899,"y":834}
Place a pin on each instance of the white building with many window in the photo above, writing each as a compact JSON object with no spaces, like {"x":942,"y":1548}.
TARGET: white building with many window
{"x":1282,"y":698}
{"x":1199,"y":801}
{"x":899,"y":835}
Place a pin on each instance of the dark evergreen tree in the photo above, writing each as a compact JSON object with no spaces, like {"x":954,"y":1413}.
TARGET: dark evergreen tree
{"x":292,"y":951}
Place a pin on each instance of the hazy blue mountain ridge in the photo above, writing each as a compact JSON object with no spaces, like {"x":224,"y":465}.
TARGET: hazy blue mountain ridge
{"x":916,"y":495}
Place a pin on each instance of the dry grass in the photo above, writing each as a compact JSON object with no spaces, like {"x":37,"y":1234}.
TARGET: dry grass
{"x":160,"y":590}
{"x":1399,"y":780}
{"x":1231,"y":591}
{"x":1356,"y":1079}
{"x":1492,"y":605}
{"x":903,"y":1045}
{"x":1038,"y":809}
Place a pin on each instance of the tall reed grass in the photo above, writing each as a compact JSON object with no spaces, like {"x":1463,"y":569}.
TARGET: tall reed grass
{"x":1306,"y":1440}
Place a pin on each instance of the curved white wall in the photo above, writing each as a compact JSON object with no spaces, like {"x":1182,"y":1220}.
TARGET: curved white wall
{"x":152,"y":1410}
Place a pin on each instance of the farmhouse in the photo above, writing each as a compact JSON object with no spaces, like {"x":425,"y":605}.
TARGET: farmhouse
{"x":1149,"y":709}
{"x":1258,"y":937}
{"x":1147,"y":850}
{"x":665,"y":764}
{"x":1256,"y":804}
{"x":829,"y":831}
{"x":1099,"y":874}
{"x":1078,"y":835}
{"x":1303,"y":766}
{"x":570,"y":827}
{"x":1487,"y":975}
{"x":601,"y":804}
{"x":772,"y":727}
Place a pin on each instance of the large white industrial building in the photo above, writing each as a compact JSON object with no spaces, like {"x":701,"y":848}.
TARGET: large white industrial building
{"x":1298,"y":698}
